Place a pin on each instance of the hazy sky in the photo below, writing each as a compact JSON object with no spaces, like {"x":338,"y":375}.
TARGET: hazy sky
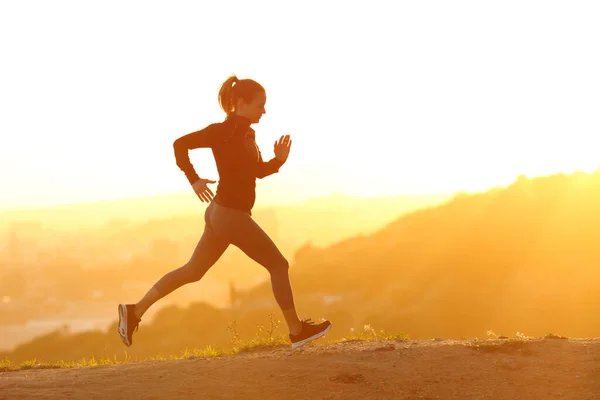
{"x":380,"y":97}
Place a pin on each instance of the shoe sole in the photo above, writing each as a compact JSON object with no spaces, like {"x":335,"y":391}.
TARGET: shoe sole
{"x":313,"y":337}
{"x":123,"y":324}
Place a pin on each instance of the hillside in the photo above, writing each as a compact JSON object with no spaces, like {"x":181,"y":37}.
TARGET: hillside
{"x":524,"y":257}
{"x":455,"y":369}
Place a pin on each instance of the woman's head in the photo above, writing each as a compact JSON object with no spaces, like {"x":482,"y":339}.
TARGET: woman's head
{"x":243,"y":97}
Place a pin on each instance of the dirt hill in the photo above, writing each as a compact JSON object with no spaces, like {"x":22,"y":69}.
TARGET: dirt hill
{"x":408,"y":370}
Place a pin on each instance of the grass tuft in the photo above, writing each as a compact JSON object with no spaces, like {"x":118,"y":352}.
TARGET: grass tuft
{"x":518,"y":343}
{"x":368,"y":334}
{"x":265,"y":338}
{"x":554,"y":336}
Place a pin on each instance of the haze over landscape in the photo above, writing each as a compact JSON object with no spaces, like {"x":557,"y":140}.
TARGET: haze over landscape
{"x":443,"y":182}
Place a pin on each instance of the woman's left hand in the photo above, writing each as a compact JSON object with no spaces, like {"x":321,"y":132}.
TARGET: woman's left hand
{"x":282,"y":148}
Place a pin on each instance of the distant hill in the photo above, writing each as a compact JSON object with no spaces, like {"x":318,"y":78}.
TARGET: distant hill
{"x":522,"y":257}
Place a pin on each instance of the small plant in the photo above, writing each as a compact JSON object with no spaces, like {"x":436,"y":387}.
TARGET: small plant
{"x":29,"y":364}
{"x":398,"y":337}
{"x":554,"y":336}
{"x":265,"y":338}
{"x":235,"y":336}
{"x":368,"y":334}
{"x":6,"y":365}
{"x":496,"y":345}
{"x":207,"y":352}
{"x":523,"y":336}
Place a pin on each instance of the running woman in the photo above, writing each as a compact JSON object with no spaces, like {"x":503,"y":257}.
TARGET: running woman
{"x":228,"y":217}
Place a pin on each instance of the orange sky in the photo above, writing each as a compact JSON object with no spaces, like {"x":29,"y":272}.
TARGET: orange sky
{"x":380,"y":98}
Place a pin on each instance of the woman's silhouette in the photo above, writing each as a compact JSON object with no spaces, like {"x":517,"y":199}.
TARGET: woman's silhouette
{"x":228,"y":217}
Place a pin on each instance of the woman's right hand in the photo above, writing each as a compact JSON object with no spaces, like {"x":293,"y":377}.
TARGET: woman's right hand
{"x":202,"y":190}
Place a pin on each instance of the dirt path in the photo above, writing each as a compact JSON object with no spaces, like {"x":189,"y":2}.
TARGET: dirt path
{"x":539,"y":369}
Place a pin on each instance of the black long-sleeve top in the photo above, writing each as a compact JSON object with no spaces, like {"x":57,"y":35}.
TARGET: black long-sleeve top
{"x":238,"y":158}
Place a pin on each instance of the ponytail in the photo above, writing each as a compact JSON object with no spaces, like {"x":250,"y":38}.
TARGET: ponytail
{"x":234,"y":89}
{"x":225,"y":99}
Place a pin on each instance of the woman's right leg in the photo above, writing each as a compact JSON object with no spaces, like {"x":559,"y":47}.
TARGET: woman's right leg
{"x":209,"y":249}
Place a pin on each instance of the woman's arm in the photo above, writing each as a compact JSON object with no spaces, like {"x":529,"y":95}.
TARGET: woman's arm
{"x":267,"y":168}
{"x":200,"y":139}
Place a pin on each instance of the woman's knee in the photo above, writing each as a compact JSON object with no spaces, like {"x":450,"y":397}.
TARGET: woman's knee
{"x":279,"y":266}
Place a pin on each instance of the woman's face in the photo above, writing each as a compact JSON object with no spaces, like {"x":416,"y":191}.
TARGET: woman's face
{"x":253,"y":110}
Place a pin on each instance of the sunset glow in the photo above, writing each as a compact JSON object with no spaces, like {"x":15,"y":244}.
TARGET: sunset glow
{"x":384,"y":98}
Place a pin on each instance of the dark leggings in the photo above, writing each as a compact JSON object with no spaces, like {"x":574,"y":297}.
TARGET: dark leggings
{"x":225,"y":226}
